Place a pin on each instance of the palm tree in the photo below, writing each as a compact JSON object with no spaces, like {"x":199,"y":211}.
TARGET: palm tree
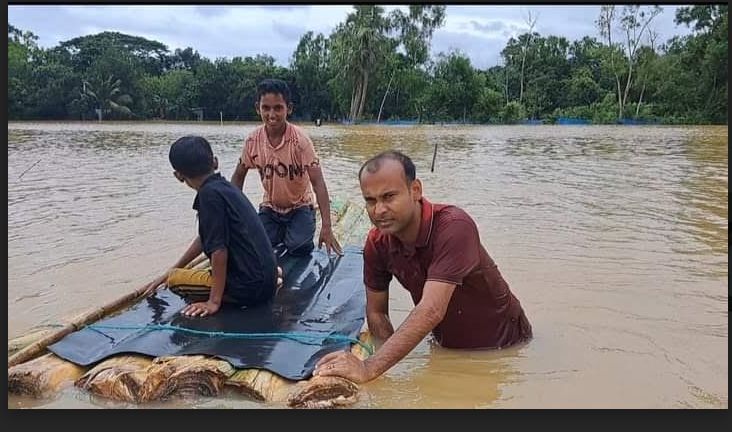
{"x":357,"y":46}
{"x":105,"y":95}
{"x":369,"y":38}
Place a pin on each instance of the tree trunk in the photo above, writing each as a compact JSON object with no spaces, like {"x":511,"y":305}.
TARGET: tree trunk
{"x":627,"y":83}
{"x":633,"y":40}
{"x":531,"y":24}
{"x":620,"y":97}
{"x":355,"y":100}
{"x":364,"y":89}
{"x":381,"y":108}
{"x":712,"y":93}
{"x":608,"y":31}
{"x":521,"y":89}
{"x":617,"y":81}
{"x":396,"y":99}
{"x":640,"y":100}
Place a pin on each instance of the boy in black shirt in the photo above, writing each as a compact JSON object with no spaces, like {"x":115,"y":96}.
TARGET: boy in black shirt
{"x":243,"y":266}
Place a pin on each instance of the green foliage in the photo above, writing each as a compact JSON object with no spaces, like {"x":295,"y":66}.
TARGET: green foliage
{"x":454,"y":89}
{"x":512,"y":113}
{"x":377,"y":65}
{"x":311,"y":72}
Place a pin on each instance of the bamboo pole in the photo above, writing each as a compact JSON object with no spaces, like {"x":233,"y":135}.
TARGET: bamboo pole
{"x":32,"y":350}
{"x":20,"y":342}
{"x":36,"y":348}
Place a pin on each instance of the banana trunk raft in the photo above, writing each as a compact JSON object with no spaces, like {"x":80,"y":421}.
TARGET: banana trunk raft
{"x":131,"y":378}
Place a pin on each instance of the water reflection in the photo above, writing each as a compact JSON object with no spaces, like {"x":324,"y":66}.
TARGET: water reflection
{"x":704,"y":197}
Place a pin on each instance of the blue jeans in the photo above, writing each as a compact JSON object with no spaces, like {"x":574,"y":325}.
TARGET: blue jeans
{"x":295,"y":229}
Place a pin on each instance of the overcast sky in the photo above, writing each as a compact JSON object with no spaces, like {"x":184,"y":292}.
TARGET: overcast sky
{"x":480,"y":31}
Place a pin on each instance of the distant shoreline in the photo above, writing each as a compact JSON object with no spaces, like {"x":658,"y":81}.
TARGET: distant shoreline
{"x":363,"y":124}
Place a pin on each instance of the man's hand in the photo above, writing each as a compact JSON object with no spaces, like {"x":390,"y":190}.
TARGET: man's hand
{"x":345,"y":365}
{"x":201,"y":309}
{"x":327,"y":238}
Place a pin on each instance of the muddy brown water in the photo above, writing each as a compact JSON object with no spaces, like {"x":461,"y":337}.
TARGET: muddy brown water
{"x":615,"y":239}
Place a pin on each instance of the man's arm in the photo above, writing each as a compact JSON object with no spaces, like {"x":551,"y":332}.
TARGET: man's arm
{"x":240,"y":173}
{"x":377,"y":314}
{"x":424,"y":317}
{"x":321,"y":195}
{"x":457,"y":252}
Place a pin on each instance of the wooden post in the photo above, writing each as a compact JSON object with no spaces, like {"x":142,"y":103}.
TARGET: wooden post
{"x":434,"y":156}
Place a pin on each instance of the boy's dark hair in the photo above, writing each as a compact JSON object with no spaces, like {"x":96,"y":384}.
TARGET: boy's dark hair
{"x":374,"y":164}
{"x":276,"y":86}
{"x":191,"y":156}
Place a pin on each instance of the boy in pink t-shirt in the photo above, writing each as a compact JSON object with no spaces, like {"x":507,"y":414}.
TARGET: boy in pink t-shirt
{"x":288,"y":165}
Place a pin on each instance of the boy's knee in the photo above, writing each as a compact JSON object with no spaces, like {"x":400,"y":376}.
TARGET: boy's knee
{"x":271,"y":227}
{"x":295,"y":230}
{"x":190,"y":277}
{"x":299,"y":239}
{"x":301,"y":249}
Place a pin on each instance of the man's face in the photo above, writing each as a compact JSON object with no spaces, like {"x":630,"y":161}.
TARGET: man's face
{"x":273,"y":109}
{"x":390,"y":201}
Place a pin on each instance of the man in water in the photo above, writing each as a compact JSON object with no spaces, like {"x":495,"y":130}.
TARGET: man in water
{"x":434,"y":251}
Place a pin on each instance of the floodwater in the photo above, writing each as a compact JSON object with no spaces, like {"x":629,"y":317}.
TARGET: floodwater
{"x":615,"y":240}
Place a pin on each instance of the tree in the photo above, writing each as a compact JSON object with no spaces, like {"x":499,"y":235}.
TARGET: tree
{"x":647,"y":58}
{"x":358,"y":43}
{"x":378,"y":65}
{"x":633,"y":21}
{"x":172,"y":94}
{"x":23,"y":51}
{"x":415,"y":33}
{"x":512,"y":112}
{"x":85,"y":50}
{"x":369,"y":36}
{"x":187,"y":59}
{"x":531,"y":22}
{"x":311,"y":72}
{"x":582,"y":89}
{"x":106,"y":97}
{"x":706,"y":53}
{"x":455,"y":87}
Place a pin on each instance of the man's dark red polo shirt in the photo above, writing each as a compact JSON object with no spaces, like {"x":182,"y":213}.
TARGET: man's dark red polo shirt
{"x":483,"y":313}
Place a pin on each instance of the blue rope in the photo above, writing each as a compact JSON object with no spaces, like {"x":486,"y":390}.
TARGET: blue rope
{"x":307,"y":338}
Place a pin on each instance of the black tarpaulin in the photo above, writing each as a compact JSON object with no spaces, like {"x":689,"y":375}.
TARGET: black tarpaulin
{"x":321,"y":297}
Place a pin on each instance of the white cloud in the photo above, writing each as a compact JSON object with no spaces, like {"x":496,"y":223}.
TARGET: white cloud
{"x":481,"y":31}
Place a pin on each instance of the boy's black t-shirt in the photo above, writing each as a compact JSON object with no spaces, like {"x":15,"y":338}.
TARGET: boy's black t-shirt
{"x":227,"y":219}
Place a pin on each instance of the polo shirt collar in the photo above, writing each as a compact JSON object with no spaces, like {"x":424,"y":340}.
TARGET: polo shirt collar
{"x":425,"y":228}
